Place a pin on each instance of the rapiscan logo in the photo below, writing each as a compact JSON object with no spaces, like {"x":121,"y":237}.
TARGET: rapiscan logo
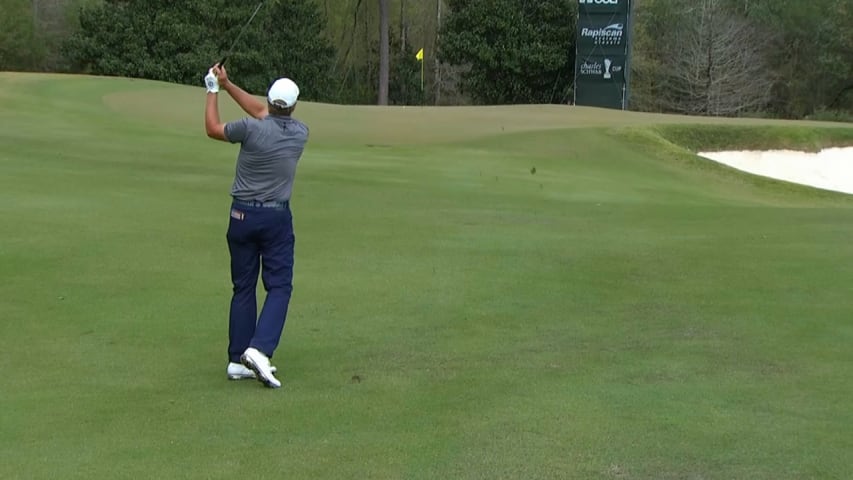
{"x":609,"y":35}
{"x":599,"y":2}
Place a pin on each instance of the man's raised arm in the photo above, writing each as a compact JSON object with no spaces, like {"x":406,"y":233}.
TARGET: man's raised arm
{"x":247,"y":102}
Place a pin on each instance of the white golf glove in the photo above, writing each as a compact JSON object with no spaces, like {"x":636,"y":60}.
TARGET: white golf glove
{"x":211,"y":82}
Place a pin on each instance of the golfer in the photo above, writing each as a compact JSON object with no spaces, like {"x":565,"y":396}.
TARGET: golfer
{"x":260,"y":232}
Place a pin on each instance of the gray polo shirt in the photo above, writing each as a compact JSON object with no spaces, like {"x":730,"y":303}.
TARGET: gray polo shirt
{"x":269,"y":151}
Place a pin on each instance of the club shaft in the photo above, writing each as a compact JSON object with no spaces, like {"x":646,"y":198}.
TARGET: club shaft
{"x":242,"y":30}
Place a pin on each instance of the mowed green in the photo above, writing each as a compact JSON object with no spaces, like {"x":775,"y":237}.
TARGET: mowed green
{"x":480,"y":293}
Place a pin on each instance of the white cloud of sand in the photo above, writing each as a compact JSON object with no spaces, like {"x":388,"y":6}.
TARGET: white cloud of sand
{"x":829,"y":169}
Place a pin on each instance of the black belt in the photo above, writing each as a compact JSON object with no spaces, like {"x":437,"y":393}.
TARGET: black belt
{"x":257,"y":204}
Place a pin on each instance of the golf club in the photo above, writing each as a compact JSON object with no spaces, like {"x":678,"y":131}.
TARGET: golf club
{"x":231,"y":49}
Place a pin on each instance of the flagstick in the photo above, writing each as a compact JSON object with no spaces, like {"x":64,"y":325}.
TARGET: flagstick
{"x":420,"y":57}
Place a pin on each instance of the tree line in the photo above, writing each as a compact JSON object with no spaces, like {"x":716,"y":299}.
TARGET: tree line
{"x":774,"y":58}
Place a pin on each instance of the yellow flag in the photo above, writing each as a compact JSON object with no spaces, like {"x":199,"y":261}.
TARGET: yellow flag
{"x":420,"y":55}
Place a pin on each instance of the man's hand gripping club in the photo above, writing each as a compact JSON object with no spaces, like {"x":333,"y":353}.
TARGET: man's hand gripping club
{"x":247,"y":102}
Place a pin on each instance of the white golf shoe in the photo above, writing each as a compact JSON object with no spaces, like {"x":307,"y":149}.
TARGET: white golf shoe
{"x":257,"y":362}
{"x":237,"y":371}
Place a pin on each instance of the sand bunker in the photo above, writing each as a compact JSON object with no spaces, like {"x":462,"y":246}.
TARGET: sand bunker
{"x":830,"y":169}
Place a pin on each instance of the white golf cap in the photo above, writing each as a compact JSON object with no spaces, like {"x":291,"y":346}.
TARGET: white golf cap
{"x":283,"y":92}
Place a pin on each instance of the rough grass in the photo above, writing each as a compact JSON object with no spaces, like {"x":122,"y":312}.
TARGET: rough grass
{"x":757,"y":137}
{"x":574,"y":296}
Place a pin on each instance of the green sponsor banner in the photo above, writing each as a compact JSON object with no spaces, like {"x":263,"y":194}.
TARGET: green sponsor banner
{"x":604,"y":95}
{"x":603,"y":53}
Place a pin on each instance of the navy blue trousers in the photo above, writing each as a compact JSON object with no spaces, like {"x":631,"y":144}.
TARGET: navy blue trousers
{"x":259,"y":239}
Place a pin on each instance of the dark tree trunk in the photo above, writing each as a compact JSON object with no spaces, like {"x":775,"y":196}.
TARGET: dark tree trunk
{"x":384,"y":52}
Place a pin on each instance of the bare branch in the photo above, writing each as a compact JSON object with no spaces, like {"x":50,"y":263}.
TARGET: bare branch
{"x":715,"y":64}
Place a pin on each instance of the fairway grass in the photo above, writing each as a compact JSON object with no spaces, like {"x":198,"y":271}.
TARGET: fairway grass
{"x":480,"y":293}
